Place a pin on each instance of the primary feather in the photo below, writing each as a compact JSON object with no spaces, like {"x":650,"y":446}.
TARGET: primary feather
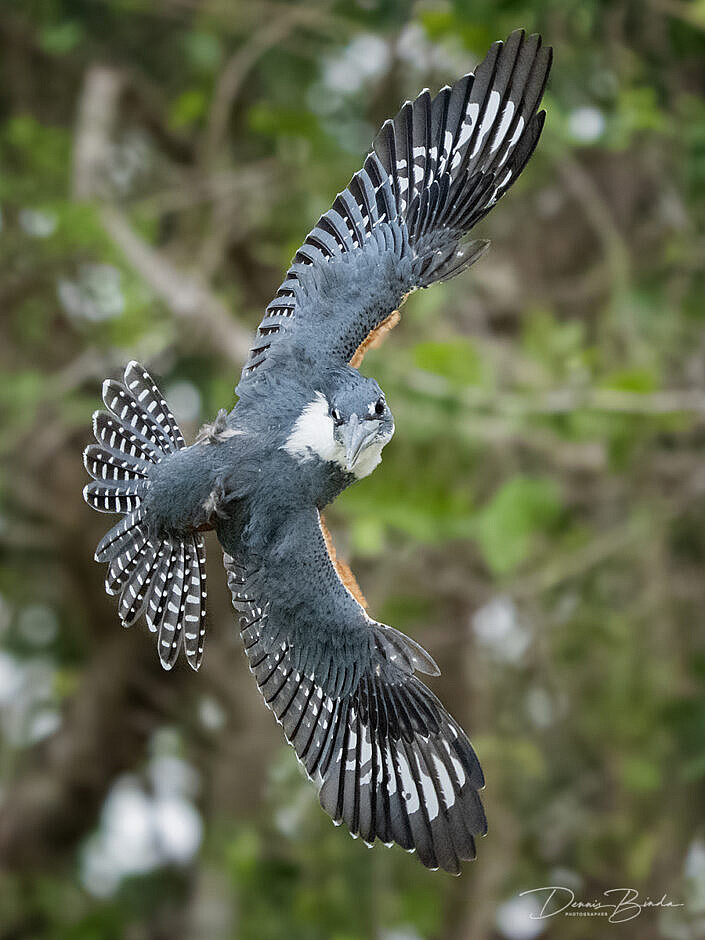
{"x":434,"y":171}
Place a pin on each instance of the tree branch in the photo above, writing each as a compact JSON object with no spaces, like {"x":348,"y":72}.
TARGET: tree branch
{"x":107,"y":725}
{"x":186,"y":295}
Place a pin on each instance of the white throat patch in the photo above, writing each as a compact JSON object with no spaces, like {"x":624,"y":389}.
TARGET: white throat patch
{"x":312,"y":437}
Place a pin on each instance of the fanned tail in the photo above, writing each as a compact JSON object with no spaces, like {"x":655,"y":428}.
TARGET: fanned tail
{"x":164,"y":579}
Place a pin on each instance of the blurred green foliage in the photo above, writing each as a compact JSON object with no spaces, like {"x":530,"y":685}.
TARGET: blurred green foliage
{"x":538,"y":521}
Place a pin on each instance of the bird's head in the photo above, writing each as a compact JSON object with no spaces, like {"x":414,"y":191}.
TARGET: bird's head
{"x":362,"y":423}
{"x":347,"y":423}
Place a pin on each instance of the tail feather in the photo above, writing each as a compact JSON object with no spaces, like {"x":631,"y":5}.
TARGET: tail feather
{"x":170,"y":607}
{"x":113,"y":496}
{"x":145,"y":392}
{"x":103,"y":464}
{"x":164,"y":579}
{"x":118,"y":536}
{"x":121,"y":403}
{"x":123,"y":564}
{"x":154,"y":608}
{"x":134,"y":597}
{"x":123,"y":441}
{"x":195,"y":603}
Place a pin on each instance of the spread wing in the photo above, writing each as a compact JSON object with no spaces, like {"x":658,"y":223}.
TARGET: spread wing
{"x":434,"y":171}
{"x":387,"y":758}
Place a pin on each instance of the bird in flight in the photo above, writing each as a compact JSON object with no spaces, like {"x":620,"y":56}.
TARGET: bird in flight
{"x":387,"y":759}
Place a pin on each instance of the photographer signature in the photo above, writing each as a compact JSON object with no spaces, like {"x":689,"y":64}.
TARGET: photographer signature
{"x":622,"y":904}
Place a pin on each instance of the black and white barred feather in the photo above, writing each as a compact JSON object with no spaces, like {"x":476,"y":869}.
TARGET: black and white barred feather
{"x":434,"y":171}
{"x":164,"y":579}
{"x":388,"y":760}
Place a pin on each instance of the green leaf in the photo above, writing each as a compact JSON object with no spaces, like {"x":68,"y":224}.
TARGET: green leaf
{"x":188,"y":109}
{"x":61,"y":38}
{"x":204,"y":50}
{"x":640,"y":775}
{"x":559,"y":347}
{"x":507,"y":526}
{"x":634,"y":379}
{"x":459,"y":361}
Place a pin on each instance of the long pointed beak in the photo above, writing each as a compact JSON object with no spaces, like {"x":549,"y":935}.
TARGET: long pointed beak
{"x":356,"y":436}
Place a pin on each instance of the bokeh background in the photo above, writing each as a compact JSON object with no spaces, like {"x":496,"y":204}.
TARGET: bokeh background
{"x":538,"y":522}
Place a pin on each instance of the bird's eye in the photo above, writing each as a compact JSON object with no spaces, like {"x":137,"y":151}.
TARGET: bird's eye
{"x":379,"y":407}
{"x":335,"y":415}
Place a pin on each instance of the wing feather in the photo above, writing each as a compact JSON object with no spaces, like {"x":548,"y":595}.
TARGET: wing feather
{"x":434,"y":171}
{"x":388,"y":760}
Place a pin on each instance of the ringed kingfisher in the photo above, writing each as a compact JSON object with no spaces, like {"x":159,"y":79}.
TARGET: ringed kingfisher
{"x":386,"y":757}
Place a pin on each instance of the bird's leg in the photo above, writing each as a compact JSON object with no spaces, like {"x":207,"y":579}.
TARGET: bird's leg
{"x":214,"y":506}
{"x":217,"y":431}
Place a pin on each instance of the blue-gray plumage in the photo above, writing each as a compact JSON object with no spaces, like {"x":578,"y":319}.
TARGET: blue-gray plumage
{"x":387,"y":758}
